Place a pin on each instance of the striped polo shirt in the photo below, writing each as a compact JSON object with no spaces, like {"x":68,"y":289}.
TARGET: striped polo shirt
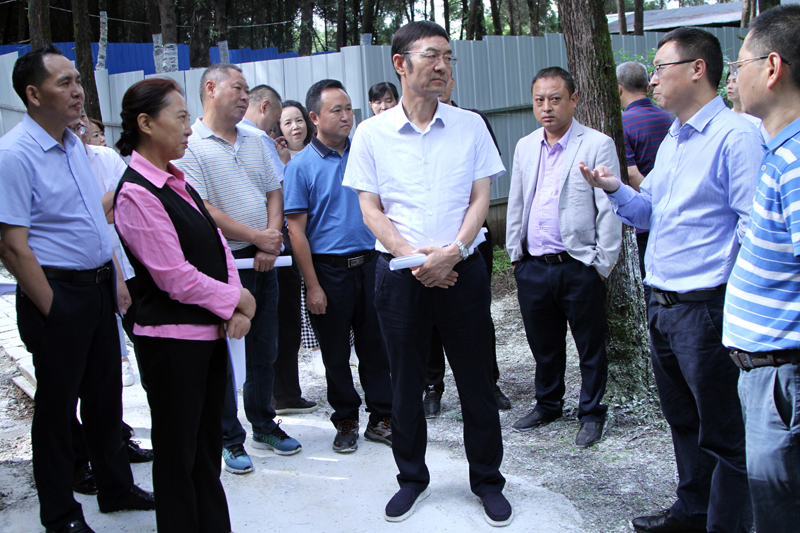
{"x":234,"y":179}
{"x":762,"y":304}
{"x":644,"y":125}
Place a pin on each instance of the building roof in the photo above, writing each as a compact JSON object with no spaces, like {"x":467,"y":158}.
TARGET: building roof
{"x":667,"y":19}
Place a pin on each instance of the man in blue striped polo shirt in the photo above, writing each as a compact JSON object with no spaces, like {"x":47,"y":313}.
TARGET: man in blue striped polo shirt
{"x":232,"y":171}
{"x":762,"y":307}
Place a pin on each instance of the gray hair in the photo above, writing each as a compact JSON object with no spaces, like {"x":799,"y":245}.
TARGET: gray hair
{"x":216,"y":72}
{"x":633,"y":77}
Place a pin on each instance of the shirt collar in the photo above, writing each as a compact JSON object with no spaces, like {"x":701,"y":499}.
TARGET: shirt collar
{"x":700,"y":120}
{"x":401,"y":120}
{"x":563,"y":141}
{"x":639,"y":103}
{"x":245,"y":122}
{"x":790,"y":131}
{"x":205,"y":132}
{"x":153,"y":174}
{"x":44,"y":139}
{"x":323,"y":150}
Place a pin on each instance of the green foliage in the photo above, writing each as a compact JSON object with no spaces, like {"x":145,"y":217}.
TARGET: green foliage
{"x":501,"y":263}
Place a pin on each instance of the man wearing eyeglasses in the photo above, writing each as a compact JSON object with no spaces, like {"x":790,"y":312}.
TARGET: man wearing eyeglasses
{"x":762,"y":319}
{"x":696,"y":203}
{"x":429,"y":193}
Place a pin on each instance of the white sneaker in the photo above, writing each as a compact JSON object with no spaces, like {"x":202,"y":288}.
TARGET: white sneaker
{"x":317,"y":365}
{"x":128,"y":378}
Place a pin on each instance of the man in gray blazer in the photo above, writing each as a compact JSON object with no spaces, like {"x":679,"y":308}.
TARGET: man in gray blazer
{"x":563,"y":239}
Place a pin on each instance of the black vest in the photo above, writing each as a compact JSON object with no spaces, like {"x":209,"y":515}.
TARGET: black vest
{"x":200,"y":244}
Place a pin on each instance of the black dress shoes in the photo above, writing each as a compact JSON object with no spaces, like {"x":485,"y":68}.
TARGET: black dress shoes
{"x":532,"y":420}
{"x":664,"y":522}
{"x":135,"y":500}
{"x":432,"y":403}
{"x":503,"y":403}
{"x":589,"y":433}
{"x":77,"y":526}
{"x":137,"y":454}
{"x":83,"y":479}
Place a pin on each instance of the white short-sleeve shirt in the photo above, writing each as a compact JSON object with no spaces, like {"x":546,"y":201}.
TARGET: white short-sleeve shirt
{"x":424,"y":178}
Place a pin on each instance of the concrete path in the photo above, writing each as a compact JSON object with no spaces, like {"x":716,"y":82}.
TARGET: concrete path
{"x":318,"y":490}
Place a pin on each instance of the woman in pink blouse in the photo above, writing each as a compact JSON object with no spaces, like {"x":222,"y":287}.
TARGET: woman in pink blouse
{"x":189,"y":297}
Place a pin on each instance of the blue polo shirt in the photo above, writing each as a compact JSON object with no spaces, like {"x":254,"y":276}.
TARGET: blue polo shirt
{"x":313,"y":185}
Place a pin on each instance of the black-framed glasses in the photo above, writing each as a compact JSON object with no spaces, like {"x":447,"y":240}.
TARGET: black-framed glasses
{"x":657,"y":70}
{"x":434,"y":57}
{"x":78,"y":129}
{"x":733,"y":66}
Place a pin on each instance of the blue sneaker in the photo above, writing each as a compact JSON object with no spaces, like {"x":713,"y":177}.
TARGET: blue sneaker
{"x":236,"y":459}
{"x":278,"y":441}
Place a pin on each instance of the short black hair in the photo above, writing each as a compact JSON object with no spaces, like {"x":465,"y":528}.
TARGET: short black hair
{"x":310,"y":128}
{"x":217,"y":72}
{"x":29,"y":69}
{"x":379,"y":90}
{"x":314,"y":94}
{"x":694,"y":43}
{"x":555,"y":72}
{"x":776,"y":30}
{"x":413,"y":32}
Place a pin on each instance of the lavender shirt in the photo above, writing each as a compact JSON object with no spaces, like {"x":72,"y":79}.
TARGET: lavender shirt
{"x":544,"y":236}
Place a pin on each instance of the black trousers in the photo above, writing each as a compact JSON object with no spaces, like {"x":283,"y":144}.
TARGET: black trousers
{"x":286,"y":389}
{"x":697,"y":386}
{"x":76,"y":355}
{"x":550,"y":296}
{"x":350,"y":293}
{"x":186,"y":389}
{"x":641,"y":242}
{"x":436,"y":367}
{"x":408,"y":311}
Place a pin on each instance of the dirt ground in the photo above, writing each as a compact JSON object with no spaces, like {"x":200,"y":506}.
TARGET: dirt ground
{"x":630,"y":473}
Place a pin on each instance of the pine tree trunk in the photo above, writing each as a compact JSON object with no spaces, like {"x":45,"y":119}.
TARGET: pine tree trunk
{"x":749,"y":12}
{"x":432,"y":17}
{"x":83,"y":52}
{"x":764,"y":5}
{"x":341,"y":24}
{"x":221,"y":26}
{"x":367,"y":24}
{"x":169,"y":33}
{"x":591,"y":62}
{"x":475,"y":11}
{"x":623,"y":20}
{"x":446,"y":15}
{"x":494,"y":5}
{"x":200,"y":40}
{"x":22,"y":21}
{"x":306,"y":27}
{"x":638,"y":17}
{"x":39,"y":23}
{"x":533,"y":11}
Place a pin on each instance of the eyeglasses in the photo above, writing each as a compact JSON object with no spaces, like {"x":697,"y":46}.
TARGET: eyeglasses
{"x":734,"y":65}
{"x":658,"y":69}
{"x":79,"y":129}
{"x":434,"y":57}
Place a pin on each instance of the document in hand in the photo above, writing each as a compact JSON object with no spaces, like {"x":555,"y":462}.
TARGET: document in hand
{"x":415,"y":260}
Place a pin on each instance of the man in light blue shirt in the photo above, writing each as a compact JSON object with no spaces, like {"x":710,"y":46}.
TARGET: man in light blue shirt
{"x":696,"y":203}
{"x":262,"y":115}
{"x":54,"y":239}
{"x":762,"y":315}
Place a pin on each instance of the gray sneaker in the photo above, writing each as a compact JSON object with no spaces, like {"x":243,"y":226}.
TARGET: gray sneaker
{"x":380,"y":432}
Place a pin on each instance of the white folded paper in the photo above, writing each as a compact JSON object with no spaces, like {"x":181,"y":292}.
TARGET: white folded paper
{"x":280,"y":261}
{"x":236,"y":350}
{"x":7,"y":287}
{"x":415,"y":260}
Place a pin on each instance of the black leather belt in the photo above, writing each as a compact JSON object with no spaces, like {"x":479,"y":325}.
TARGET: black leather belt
{"x":551,"y":259}
{"x":95,"y":275}
{"x":672,"y":298}
{"x":748,"y":361}
{"x":343,"y":261}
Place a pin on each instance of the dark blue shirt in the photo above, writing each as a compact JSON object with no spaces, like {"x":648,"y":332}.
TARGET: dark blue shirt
{"x":313,"y":185}
{"x":645,"y":125}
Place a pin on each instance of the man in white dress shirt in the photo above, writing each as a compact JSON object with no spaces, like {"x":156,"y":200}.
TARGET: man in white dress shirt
{"x":423,"y":171}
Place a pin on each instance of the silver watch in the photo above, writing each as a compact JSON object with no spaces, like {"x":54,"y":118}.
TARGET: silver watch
{"x":463,"y":249}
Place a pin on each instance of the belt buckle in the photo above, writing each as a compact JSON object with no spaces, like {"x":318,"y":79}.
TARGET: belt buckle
{"x":98,"y":277}
{"x":557,"y":256}
{"x":353,"y":262}
{"x":662,"y":297}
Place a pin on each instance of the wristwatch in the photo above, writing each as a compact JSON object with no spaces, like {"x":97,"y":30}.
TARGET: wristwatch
{"x":463,"y":249}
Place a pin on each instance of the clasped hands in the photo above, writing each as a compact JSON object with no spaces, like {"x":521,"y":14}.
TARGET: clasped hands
{"x":437,"y":271}
{"x":269,"y":243}
{"x":238,"y":325}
